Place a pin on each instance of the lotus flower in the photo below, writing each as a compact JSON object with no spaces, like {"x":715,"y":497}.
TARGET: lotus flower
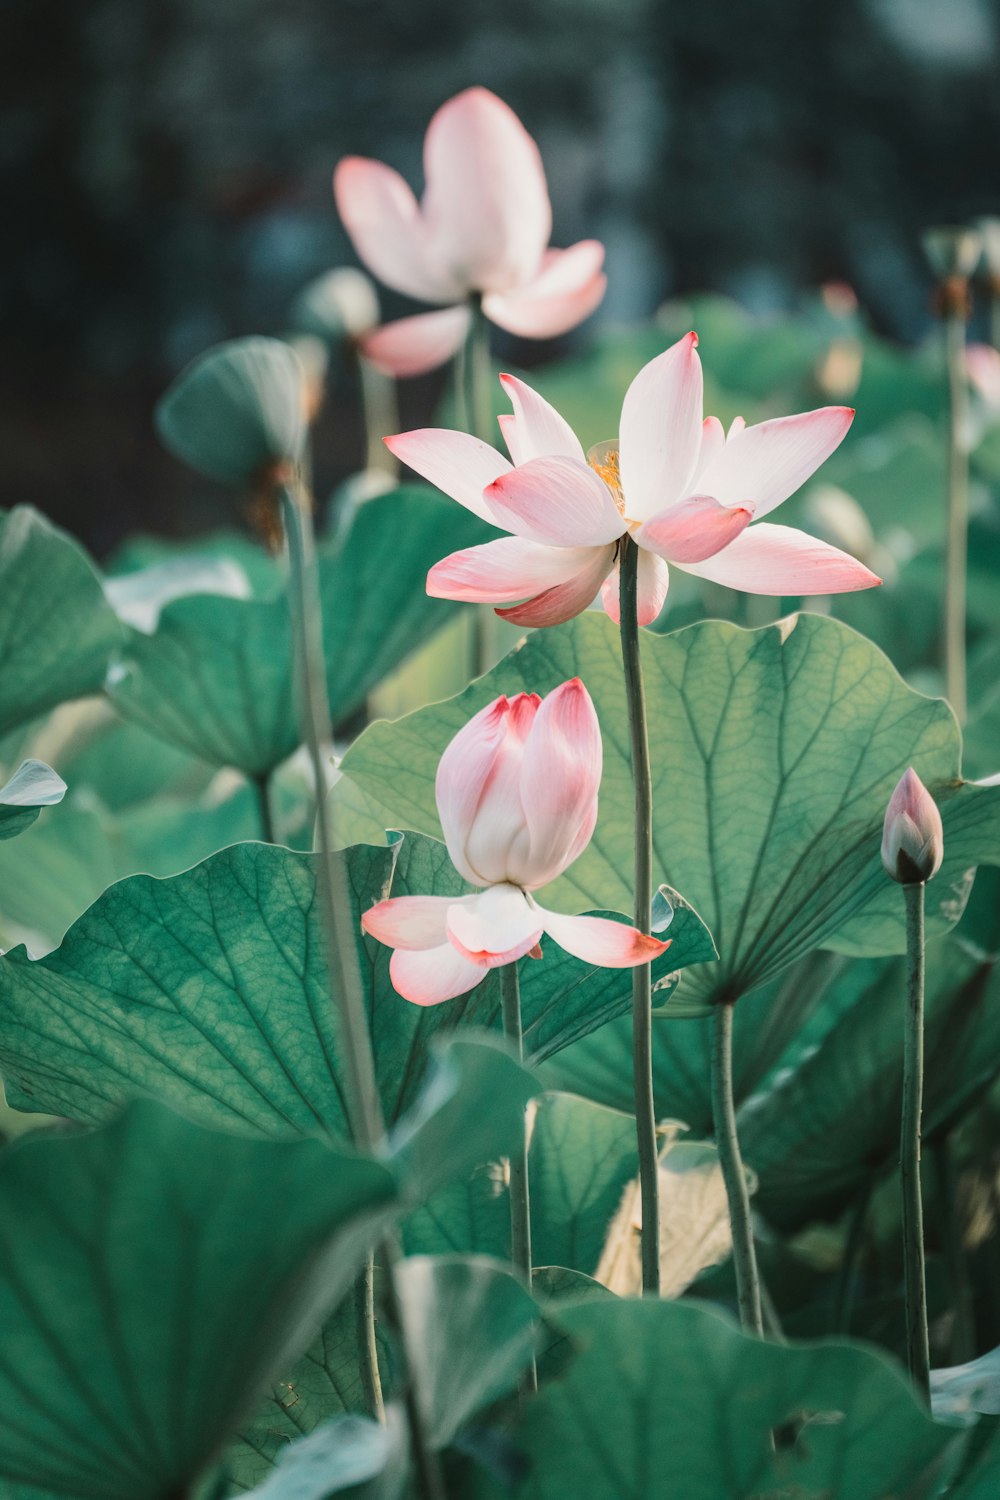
{"x":517,"y":796}
{"x":482,"y":228}
{"x":912,"y":837}
{"x":683,"y":489}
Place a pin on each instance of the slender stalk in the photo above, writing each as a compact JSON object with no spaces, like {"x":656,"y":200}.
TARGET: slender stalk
{"x":520,"y":1203}
{"x":642,"y":1003}
{"x":847,"y":1277}
{"x":733,"y":1175}
{"x":262,"y":788}
{"x":380,"y":411}
{"x":365,"y":1115}
{"x":917,"y":1351}
{"x":364,"y":1308}
{"x":962,"y":1343}
{"x":958,"y":512}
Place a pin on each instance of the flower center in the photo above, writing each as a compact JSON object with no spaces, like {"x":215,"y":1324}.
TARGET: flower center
{"x":603,"y":459}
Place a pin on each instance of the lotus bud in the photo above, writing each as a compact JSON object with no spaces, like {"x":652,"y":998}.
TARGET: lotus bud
{"x":238,"y":412}
{"x":340,"y":306}
{"x":990,"y":231}
{"x":952,"y":250}
{"x":912,"y":838}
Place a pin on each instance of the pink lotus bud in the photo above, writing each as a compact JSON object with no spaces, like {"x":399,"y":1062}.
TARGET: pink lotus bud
{"x":912,"y":838}
{"x":517,"y":787}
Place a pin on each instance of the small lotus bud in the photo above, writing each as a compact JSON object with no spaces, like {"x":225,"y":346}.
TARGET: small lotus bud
{"x":952,"y":250}
{"x":912,"y":838}
{"x":341,"y":304}
{"x":990,"y":231}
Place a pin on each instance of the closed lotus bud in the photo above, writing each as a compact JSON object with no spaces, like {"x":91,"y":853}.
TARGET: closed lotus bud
{"x":342,"y":304}
{"x":952,"y":250}
{"x":912,"y":838}
{"x":990,"y":231}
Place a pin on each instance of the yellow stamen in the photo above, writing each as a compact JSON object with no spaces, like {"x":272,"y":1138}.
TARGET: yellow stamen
{"x":603,"y":459}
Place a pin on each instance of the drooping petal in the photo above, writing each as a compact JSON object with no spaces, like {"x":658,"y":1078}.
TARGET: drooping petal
{"x":498,"y":928}
{"x":556,"y":500}
{"x":410,"y":921}
{"x":693,"y":529}
{"x":764,"y":464}
{"x":599,"y":940}
{"x":460,"y":465}
{"x":434,"y":974}
{"x":412,"y":346}
{"x":383,"y":220}
{"x":768,"y":559}
{"x":652,"y":582}
{"x":560,"y":779}
{"x":535,"y":429}
{"x":661,"y":430}
{"x":557,"y":605}
{"x":486,"y":205}
{"x":476,"y":788}
{"x":567,"y":289}
{"x":509,"y":568}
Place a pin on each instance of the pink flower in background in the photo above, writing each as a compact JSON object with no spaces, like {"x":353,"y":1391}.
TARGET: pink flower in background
{"x":686,"y":492}
{"x":912,"y":835}
{"x":482,"y":227}
{"x":517,"y":797}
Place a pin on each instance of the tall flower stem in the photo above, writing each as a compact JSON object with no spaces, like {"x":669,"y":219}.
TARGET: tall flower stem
{"x":917,"y":1351}
{"x":520,"y":1201}
{"x":262,"y":788}
{"x":733,"y":1174}
{"x":958,"y":507}
{"x":364,"y":1109}
{"x":642,"y":1003}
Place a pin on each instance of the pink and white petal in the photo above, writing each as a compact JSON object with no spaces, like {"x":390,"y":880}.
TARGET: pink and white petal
{"x":383,"y":219}
{"x":652,"y":583}
{"x":713,"y":440}
{"x":660,"y":435}
{"x":599,"y":940}
{"x":559,"y":781}
{"x":499,"y":928}
{"x":410,"y":921}
{"x":535,"y":429}
{"x":460,"y":465}
{"x":764,"y":464}
{"x":770,"y":559}
{"x":432,"y":975}
{"x":982,"y":365}
{"x":556,"y":500}
{"x":509,"y":568}
{"x":693,"y":529}
{"x":566,"y":600}
{"x":466,"y":765}
{"x":567,"y":289}
{"x":486,"y":205}
{"x":412,"y":346}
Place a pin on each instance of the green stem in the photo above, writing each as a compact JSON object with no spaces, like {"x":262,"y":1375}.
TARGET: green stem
{"x":364,"y":1307}
{"x":843,"y":1297}
{"x":963,"y":1340}
{"x":380,"y":412}
{"x":958,"y":515}
{"x":520,"y":1203}
{"x":365,"y":1117}
{"x":733,"y":1175}
{"x":262,"y":788}
{"x":918,"y":1356}
{"x":642,"y":1020}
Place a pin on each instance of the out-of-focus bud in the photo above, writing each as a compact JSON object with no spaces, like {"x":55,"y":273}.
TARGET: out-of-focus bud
{"x":838,"y":518}
{"x":989,"y":229}
{"x":340,"y":305}
{"x":952,"y":250}
{"x":912,"y":837}
{"x":237,"y":412}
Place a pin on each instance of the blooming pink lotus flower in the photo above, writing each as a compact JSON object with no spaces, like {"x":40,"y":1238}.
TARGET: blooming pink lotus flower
{"x":517,"y":796}
{"x":912,"y":836}
{"x":683,"y":489}
{"x":482,"y":228}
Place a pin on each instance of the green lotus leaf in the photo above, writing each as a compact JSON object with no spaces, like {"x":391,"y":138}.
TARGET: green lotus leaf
{"x":608,"y":1427}
{"x":235,"y":410}
{"x":34,"y":785}
{"x":154,"y":1276}
{"x":57,"y":630}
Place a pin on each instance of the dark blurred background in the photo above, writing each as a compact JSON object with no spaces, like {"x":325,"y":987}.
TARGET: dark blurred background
{"x":167,"y":173}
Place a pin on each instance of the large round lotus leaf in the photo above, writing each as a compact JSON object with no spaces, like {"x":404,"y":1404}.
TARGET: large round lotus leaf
{"x":57,"y":630}
{"x":236,"y":409}
{"x":667,"y":1399}
{"x":153,"y":1277}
